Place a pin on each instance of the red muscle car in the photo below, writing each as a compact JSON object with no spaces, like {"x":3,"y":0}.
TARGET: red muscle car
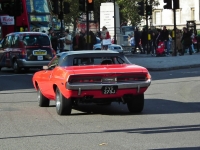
{"x":91,"y":77}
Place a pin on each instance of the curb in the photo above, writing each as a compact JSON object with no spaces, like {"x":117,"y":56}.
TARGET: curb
{"x":174,"y":68}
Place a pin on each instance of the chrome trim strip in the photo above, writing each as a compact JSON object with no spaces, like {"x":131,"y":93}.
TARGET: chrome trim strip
{"x":122,"y":85}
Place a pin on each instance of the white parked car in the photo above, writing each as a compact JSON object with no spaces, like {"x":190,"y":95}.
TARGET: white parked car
{"x":113,"y":47}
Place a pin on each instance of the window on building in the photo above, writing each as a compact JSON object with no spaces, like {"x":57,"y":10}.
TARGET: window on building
{"x":157,"y":17}
{"x":178,"y":17}
{"x":192,"y":13}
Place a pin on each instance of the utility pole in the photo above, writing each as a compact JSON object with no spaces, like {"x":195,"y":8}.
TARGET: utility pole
{"x":115,"y":41}
{"x":174,"y":10}
{"x":87,"y":27}
{"x":147,"y":30}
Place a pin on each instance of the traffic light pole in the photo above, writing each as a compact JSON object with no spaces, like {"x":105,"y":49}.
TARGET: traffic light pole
{"x":87,"y":28}
{"x":147,"y":30}
{"x":174,"y":10}
{"x":115,"y":41}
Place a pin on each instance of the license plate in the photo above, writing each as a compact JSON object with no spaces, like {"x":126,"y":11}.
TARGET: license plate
{"x":39,"y":57}
{"x":39,"y":52}
{"x":109,"y":89}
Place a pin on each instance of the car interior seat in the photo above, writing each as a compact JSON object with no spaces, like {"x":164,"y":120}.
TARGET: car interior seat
{"x":106,"y":62}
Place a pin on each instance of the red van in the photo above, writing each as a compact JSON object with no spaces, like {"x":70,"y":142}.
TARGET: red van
{"x":25,"y":50}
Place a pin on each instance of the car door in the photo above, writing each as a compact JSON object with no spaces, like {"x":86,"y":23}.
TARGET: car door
{"x":46,"y":84}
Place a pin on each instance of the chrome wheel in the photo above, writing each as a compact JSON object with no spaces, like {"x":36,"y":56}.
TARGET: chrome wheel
{"x":42,"y":100}
{"x":63,"y":105}
{"x":58,"y":102}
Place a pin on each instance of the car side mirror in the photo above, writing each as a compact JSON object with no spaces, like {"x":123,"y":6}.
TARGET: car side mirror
{"x":45,"y":67}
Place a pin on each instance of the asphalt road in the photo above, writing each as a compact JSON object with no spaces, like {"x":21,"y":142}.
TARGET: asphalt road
{"x":170,"y":120}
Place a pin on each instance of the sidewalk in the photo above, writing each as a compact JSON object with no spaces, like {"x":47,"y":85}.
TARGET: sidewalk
{"x":153,"y":63}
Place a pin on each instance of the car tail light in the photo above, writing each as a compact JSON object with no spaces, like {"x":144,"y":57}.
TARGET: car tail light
{"x":23,"y":53}
{"x":132,"y":77}
{"x":148,"y":76}
{"x":84,"y":79}
{"x":118,"y":77}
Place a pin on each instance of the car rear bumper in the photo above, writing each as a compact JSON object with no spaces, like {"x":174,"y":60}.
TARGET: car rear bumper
{"x":95,"y":91}
{"x":25,"y":63}
{"x":95,"y":94}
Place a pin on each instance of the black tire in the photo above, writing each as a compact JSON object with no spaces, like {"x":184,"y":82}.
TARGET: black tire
{"x":136,"y":104}
{"x":42,"y":100}
{"x":63,"y":105}
{"x":16,"y":67}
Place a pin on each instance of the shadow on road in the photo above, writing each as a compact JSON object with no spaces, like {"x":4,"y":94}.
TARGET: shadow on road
{"x":152,"y":106}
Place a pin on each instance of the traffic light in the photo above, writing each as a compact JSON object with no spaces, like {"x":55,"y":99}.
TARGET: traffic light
{"x":176,"y":4}
{"x":55,"y":7}
{"x":141,"y":8}
{"x":149,"y":9}
{"x":82,"y":5}
{"x":168,"y":4}
{"x":66,"y":8}
{"x":90,"y":5}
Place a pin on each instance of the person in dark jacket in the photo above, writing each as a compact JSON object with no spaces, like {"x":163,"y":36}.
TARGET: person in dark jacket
{"x":54,"y":41}
{"x":186,"y":41}
{"x":137,"y":40}
{"x":78,"y":42}
{"x":165,"y":38}
{"x":144,"y":40}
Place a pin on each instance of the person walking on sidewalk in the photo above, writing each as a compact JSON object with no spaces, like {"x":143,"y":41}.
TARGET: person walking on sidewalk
{"x":144,"y":41}
{"x":137,"y":40}
{"x":165,"y":38}
{"x":186,"y":41}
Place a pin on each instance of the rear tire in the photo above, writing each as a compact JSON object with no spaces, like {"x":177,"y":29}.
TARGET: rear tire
{"x":136,"y":104}
{"x":42,"y":100}
{"x":16,"y":67}
{"x":63,"y":105}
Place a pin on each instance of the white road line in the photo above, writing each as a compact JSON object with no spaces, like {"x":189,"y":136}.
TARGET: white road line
{"x":12,"y":75}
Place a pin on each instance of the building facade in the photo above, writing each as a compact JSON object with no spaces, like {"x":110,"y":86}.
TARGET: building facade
{"x":189,"y":11}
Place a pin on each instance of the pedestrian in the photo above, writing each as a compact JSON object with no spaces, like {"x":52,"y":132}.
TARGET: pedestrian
{"x":67,"y":41}
{"x":165,"y":39}
{"x":144,"y":40}
{"x":54,"y":41}
{"x":137,"y":40}
{"x":92,"y":41}
{"x":78,"y":42}
{"x":105,"y":37}
{"x":132,"y":40}
{"x":186,"y":41}
{"x":178,"y":40}
{"x":50,"y":32}
{"x":153,"y":43}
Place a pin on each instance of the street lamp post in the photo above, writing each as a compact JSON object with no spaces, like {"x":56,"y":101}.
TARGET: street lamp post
{"x":115,"y":41}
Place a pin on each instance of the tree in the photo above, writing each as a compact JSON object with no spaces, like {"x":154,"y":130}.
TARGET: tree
{"x":130,"y":12}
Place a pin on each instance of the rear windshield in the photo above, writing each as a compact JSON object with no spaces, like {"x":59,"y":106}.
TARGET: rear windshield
{"x":97,"y":61}
{"x":34,"y":40}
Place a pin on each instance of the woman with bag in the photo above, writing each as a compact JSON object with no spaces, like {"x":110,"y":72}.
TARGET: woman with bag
{"x":105,"y":37}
